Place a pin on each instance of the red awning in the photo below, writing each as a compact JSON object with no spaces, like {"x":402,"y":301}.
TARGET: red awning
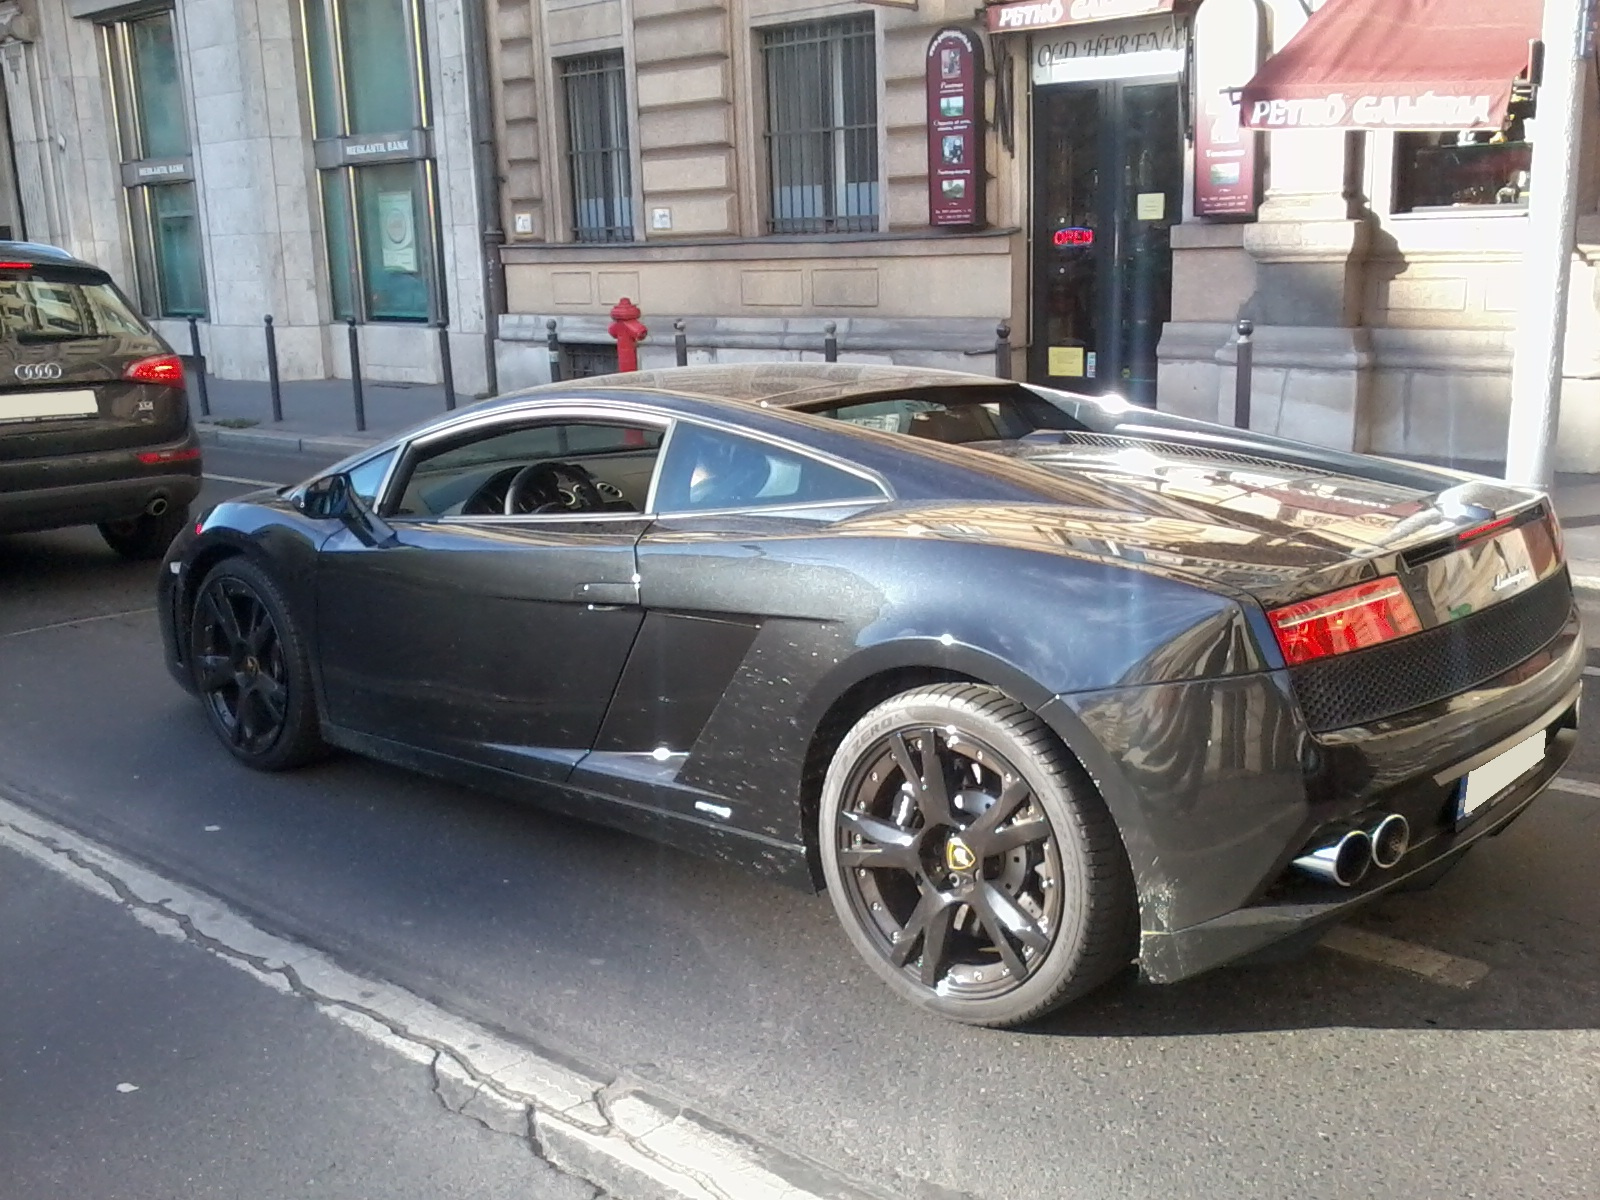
{"x":1396,"y":64}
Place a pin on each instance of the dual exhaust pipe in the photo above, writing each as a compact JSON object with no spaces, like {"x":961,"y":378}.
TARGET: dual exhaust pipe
{"x":1346,"y":859}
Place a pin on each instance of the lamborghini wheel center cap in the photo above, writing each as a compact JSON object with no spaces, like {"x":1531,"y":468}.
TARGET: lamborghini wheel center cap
{"x":958,"y":856}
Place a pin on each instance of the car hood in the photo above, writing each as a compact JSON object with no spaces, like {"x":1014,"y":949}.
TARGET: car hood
{"x":1254,"y":524}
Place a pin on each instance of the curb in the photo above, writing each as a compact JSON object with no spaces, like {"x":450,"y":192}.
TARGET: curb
{"x":284,"y":442}
{"x":1585,"y":575}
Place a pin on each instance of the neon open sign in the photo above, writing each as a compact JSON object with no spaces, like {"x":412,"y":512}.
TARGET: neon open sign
{"x":1076,"y":235}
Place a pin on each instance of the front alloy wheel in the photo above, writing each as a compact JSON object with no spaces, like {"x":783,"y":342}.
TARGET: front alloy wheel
{"x":969,"y":858}
{"x":250,"y":669}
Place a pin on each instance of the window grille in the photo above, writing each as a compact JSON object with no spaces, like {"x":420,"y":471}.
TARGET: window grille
{"x":822,"y":126}
{"x":595,"y":91}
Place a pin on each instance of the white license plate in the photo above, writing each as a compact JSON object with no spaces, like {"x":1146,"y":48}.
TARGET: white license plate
{"x":1488,"y":781}
{"x":43,"y":406}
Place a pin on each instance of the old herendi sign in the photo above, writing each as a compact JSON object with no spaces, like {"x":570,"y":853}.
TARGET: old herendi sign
{"x":1048,"y":14}
{"x":955,"y":129}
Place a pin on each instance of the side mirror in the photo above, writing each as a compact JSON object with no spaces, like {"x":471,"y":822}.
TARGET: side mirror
{"x":327,"y":499}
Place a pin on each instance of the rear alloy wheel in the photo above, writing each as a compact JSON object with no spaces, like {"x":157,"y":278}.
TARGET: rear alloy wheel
{"x":971,"y":860}
{"x":250,"y":668}
{"x":146,"y":536}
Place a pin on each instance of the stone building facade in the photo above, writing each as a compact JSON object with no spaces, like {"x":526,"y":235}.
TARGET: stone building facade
{"x":1384,"y":312}
{"x":230,"y":159}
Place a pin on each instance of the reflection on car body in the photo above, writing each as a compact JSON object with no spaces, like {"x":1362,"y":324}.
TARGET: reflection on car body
{"x":1037,"y":685}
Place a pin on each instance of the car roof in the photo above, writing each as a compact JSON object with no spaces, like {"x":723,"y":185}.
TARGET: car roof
{"x":39,"y":252}
{"x":777,"y":384}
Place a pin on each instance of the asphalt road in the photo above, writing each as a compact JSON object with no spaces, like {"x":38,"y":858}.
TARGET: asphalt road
{"x":1334,"y":1075}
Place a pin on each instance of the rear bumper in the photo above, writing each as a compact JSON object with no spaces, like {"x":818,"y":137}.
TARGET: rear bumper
{"x":1166,"y":957}
{"x":87,"y":489}
{"x":1217,"y":786}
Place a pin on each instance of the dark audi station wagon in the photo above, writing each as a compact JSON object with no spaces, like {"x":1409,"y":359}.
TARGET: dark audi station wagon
{"x":94,"y":418}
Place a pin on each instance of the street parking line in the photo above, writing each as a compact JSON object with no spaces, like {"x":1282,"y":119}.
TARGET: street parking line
{"x":271,"y":483}
{"x":1433,"y":965}
{"x":127,"y":612}
{"x":1576,"y":787}
{"x":620,"y":1136}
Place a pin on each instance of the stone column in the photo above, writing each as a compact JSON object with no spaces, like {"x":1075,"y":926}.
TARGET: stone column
{"x":1313,"y":358}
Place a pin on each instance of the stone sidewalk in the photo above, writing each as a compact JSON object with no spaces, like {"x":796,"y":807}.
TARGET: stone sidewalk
{"x":319,"y":418}
{"x":319,"y":415}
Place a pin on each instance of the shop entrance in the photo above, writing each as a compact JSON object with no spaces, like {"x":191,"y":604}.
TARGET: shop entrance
{"x":1108,"y":186}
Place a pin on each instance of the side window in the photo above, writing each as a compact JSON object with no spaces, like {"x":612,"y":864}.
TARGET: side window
{"x":367,"y":478}
{"x":709,"y":469}
{"x":531,"y":469}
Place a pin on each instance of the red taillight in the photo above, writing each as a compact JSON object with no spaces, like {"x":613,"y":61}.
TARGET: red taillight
{"x":1352,"y":618}
{"x":15,"y":266}
{"x":153,"y":458}
{"x":165,"y":370}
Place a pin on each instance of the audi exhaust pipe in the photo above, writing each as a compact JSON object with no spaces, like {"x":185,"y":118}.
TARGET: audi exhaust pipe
{"x":157,"y":506}
{"x":1391,"y":838}
{"x":1344,"y":861}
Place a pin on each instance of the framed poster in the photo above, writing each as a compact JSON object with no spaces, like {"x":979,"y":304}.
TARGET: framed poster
{"x":1227,"y":50}
{"x":397,"y":228}
{"x":956,"y":176}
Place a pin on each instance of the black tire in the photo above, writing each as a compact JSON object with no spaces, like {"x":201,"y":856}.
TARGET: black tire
{"x":145,"y":537}
{"x":251,"y":667}
{"x":1048,"y":871}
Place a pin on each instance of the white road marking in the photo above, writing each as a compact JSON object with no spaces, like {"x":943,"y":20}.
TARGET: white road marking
{"x":1576,"y":787}
{"x":1433,"y":965}
{"x":1591,"y":670}
{"x":272,"y":483}
{"x":125,"y":1088}
{"x":614,"y":1134}
{"x":127,"y":612}
{"x":1590,"y":583}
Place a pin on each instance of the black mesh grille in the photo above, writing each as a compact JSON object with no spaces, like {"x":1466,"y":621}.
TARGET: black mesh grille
{"x":1384,"y":681}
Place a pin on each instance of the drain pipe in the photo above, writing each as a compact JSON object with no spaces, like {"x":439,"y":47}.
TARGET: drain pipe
{"x":486,"y":169}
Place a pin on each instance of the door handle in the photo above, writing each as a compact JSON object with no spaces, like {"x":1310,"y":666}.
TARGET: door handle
{"x":608,"y":594}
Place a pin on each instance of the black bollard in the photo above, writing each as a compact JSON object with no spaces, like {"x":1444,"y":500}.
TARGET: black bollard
{"x":272,"y":370}
{"x":199,"y":366}
{"x":355,"y":376}
{"x":553,"y":346}
{"x":447,"y":368}
{"x":1244,"y":368}
{"x":680,"y":342}
{"x":830,"y":342}
{"x":1002,"y":350}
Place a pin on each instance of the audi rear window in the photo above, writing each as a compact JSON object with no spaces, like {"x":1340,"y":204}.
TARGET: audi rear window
{"x":37,"y":307}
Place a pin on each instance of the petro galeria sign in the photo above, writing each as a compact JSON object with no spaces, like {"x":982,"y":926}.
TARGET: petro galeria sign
{"x":1337,"y":110}
{"x":1051,"y":14}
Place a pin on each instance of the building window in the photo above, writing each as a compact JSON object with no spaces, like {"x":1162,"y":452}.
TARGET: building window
{"x":157,"y":169}
{"x":374,"y":158}
{"x":594,"y":90}
{"x":822,"y":126}
{"x":1451,"y":171}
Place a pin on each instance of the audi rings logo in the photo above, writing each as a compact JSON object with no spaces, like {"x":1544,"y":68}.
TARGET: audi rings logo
{"x":37,"y":372}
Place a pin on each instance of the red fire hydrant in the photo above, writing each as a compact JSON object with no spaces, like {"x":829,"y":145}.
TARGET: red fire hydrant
{"x":625,"y":327}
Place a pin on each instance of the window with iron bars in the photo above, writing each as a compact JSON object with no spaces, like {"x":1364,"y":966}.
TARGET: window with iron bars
{"x":822,"y":126}
{"x":594,"y":89}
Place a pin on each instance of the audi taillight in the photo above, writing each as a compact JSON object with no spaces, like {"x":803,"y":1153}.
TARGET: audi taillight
{"x":1352,"y":618}
{"x":164,"y":370}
